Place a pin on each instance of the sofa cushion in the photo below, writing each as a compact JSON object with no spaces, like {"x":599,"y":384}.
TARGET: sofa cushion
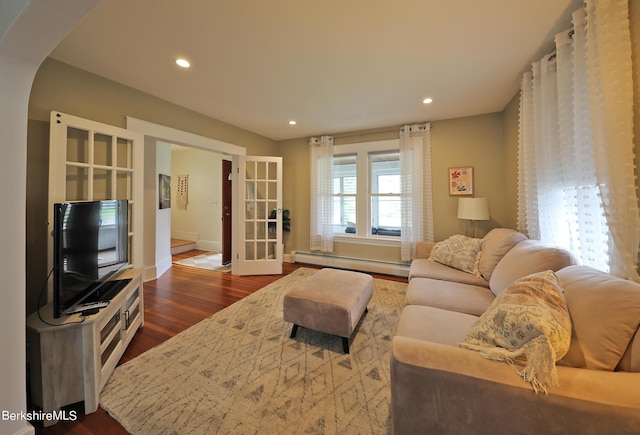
{"x":434,"y":325}
{"x":529,"y":321}
{"x":447,"y":295}
{"x":460,"y":252}
{"x":497,"y":243}
{"x":605,"y":315}
{"x":525,"y":258}
{"x":423,"y":268}
{"x":630,"y":361}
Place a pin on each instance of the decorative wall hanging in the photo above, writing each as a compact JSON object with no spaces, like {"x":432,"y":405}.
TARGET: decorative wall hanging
{"x":182,"y":194}
{"x":461,"y":181}
{"x":164,"y":191}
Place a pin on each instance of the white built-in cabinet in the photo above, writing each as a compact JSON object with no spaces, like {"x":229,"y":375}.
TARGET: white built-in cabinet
{"x":71,"y":358}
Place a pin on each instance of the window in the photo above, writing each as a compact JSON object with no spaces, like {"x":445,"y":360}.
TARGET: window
{"x":385,"y":200}
{"x":344,"y":193}
{"x":366,"y":189}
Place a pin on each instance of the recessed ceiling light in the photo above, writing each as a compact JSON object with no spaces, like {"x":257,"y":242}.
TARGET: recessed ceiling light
{"x":292,"y":122}
{"x":427,"y":101}
{"x":184,"y":63}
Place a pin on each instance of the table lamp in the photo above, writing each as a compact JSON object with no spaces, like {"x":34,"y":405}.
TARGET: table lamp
{"x":473,"y":209}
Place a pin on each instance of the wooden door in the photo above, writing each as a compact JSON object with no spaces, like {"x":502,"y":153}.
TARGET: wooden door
{"x":227,"y":216}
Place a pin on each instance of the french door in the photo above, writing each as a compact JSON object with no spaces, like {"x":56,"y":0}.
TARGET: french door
{"x":258,"y":220}
{"x":94,"y":161}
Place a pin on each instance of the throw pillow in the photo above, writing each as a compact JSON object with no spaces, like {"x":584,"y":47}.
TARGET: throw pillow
{"x":530,"y":322}
{"x":459,"y":252}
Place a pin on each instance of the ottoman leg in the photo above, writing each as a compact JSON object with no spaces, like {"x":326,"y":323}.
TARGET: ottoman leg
{"x":345,"y":344}
{"x":294,"y":331}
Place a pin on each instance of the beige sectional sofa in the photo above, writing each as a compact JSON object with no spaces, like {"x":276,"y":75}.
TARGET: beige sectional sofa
{"x":438,"y":387}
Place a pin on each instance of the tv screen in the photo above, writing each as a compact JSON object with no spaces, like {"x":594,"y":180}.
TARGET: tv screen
{"x":90,"y":245}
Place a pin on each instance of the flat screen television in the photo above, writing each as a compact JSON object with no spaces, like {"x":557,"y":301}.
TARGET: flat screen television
{"x":90,"y":247}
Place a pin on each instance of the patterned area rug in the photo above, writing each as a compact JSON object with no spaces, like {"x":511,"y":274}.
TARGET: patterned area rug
{"x":208,"y":260}
{"x":238,"y":372}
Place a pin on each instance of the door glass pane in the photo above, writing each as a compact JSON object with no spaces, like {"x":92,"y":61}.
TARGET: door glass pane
{"x":249,"y":251}
{"x":123,"y":185}
{"x":261,"y":210}
{"x":273,"y":171}
{"x":131,"y":250}
{"x":262,"y":230}
{"x":250,"y":190}
{"x":261,"y":192}
{"x":273,"y":190}
{"x":261,"y":253}
{"x":249,"y":231}
{"x":124,"y":153}
{"x":77,"y":188}
{"x":102,"y":184}
{"x":250,"y":171}
{"x":250,"y":210}
{"x":261,"y":170}
{"x":131,"y":209}
{"x":102,"y":151}
{"x":77,"y":145}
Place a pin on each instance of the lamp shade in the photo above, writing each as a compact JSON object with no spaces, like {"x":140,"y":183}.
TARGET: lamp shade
{"x":475,"y":209}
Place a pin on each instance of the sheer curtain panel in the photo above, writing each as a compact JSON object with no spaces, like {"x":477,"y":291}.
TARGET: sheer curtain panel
{"x":576,"y":174}
{"x":416,"y":190}
{"x":321,"y":193}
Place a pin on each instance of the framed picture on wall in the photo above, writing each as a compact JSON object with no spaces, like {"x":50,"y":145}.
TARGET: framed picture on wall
{"x":164,"y":191}
{"x":461,"y":181}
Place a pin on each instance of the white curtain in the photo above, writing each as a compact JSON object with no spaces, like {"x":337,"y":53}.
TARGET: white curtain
{"x":321,"y":193}
{"x":416,"y":192}
{"x":576,"y":174}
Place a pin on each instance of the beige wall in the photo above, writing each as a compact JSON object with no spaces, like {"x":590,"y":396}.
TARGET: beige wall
{"x":510,"y":121}
{"x":61,"y":87}
{"x":204,"y":212}
{"x":473,"y":141}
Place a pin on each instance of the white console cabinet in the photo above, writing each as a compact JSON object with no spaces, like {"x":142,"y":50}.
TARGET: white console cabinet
{"x":71,"y":358}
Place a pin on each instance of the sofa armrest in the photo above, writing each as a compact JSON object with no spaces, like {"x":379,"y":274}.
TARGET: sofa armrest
{"x":423,"y":249}
{"x":437,"y":388}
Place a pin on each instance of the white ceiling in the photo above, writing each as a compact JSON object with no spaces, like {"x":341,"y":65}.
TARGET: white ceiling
{"x":331,"y":65}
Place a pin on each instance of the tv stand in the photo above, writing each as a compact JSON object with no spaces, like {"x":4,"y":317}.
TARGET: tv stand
{"x":71,"y":358}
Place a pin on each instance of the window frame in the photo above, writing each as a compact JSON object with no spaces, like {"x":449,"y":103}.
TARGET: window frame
{"x":363,"y":195}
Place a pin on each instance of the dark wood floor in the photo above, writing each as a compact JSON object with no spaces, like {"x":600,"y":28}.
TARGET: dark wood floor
{"x":180,"y":298}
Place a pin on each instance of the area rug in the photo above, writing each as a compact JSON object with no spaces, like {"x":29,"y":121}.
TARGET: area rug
{"x":238,"y":372}
{"x":208,"y":260}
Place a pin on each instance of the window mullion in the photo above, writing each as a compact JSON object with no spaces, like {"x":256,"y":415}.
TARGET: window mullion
{"x":362,"y":199}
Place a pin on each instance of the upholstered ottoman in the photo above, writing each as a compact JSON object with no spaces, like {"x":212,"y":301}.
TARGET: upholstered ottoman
{"x":330,"y":301}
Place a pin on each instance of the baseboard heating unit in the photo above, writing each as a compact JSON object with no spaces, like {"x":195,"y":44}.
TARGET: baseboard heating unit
{"x":360,"y":264}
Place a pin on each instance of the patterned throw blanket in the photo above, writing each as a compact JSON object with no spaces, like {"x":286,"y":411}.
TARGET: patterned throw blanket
{"x":528,"y":321}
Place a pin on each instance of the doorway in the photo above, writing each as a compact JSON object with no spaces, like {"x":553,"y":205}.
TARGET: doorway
{"x":227,"y":216}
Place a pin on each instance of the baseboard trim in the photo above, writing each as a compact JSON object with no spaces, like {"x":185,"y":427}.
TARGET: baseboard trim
{"x":360,"y":264}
